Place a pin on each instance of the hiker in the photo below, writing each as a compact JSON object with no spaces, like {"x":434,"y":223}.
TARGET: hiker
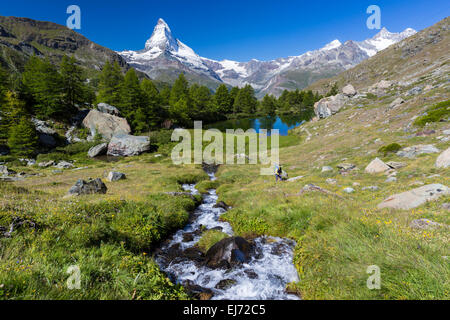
{"x":278,"y":173}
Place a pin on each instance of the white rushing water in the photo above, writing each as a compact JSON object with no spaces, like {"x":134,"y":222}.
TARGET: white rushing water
{"x":264,"y":277}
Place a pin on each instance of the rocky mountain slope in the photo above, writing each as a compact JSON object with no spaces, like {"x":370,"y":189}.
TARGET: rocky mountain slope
{"x":164,"y":57}
{"x":21,"y":38}
{"x":421,"y":58}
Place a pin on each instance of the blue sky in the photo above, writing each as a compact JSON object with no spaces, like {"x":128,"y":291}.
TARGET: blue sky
{"x":233,"y":29}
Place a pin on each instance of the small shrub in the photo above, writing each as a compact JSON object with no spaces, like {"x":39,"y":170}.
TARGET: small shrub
{"x":390,"y":148}
{"x":436,"y":113}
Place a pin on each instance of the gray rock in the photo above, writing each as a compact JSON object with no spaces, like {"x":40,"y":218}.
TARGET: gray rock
{"x":82,"y":187}
{"x":4,"y":170}
{"x":446,"y":206}
{"x":349,"y":90}
{"x":396,"y":165}
{"x":377,"y":166}
{"x":414,"y":91}
{"x":424,"y":224}
{"x":346,"y":166}
{"x":391,"y":179}
{"x":414,"y":198}
{"x":327,"y":169}
{"x":64,"y":165}
{"x":396,"y":102}
{"x":116,"y":176}
{"x":46,"y":164}
{"x":106,"y":108}
{"x":127,"y":145}
{"x":43,"y":127}
{"x":106,"y":124}
{"x":331,"y":181}
{"x":371,"y":188}
{"x":443,"y":160}
{"x":98,"y":150}
{"x":349,"y":190}
{"x":326,"y":107}
{"x":414,"y":151}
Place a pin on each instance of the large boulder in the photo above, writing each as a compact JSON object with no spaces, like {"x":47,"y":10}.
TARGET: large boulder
{"x":326,"y":107}
{"x":98,"y":150}
{"x":377,"y":166}
{"x":229,"y":252}
{"x":43,"y":127}
{"x":414,"y":151}
{"x":443,"y":161}
{"x":414,"y":198}
{"x":349,"y":90}
{"x":126,"y":145}
{"x":106,"y":108}
{"x":106,"y":124}
{"x":88,"y":187}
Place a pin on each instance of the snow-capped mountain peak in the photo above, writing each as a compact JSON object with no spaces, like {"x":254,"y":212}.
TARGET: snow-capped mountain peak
{"x":162,"y":38}
{"x":165,"y":57}
{"x":384,"y":39}
{"x":332,"y":45}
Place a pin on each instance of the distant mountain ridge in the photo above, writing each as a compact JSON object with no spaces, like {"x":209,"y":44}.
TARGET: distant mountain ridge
{"x":165,"y":57}
{"x":21,"y":38}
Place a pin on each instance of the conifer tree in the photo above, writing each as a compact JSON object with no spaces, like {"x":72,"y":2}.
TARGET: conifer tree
{"x":131,"y":96}
{"x":42,"y":88}
{"x":75,"y":92}
{"x":223,"y":100}
{"x":269,"y":105}
{"x":110,"y":81}
{"x":179,"y":90}
{"x":22,"y":139}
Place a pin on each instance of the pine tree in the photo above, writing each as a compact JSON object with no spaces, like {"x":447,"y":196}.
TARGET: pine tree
{"x":131,"y":96}
{"x":153,"y":110}
{"x":180,"y":112}
{"x":11,"y":111}
{"x":42,"y":88}
{"x":75,"y":92}
{"x":201,"y":106}
{"x":245,"y":101}
{"x":179,"y":90}
{"x":110,"y":81}
{"x":269,"y":105}
{"x":223,"y":100}
{"x":22,"y":140}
